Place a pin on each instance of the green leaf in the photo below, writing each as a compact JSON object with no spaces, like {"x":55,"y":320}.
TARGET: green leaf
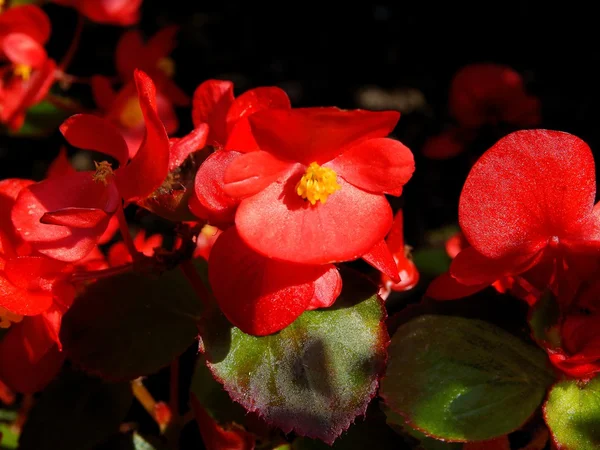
{"x":572,"y":413}
{"x":211,"y":395}
{"x":432,"y":261}
{"x":315,"y":376}
{"x":544,"y":320}
{"x":75,"y":412}
{"x":10,"y":437}
{"x":463,"y":379}
{"x":131,"y":324}
{"x":361,"y":435}
{"x":42,"y":119}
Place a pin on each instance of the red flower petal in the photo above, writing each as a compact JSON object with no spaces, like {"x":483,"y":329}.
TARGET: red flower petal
{"x":84,"y":218}
{"x":95,"y":133}
{"x":78,"y":190}
{"x":33,"y":273}
{"x":28,"y":19}
{"x":182,"y":148}
{"x":258,"y":295}
{"x":250,"y":173}
{"x":160,"y":45}
{"x":129,"y":52}
{"x":530,"y":186}
{"x":211,"y":102}
{"x":103,"y":92}
{"x":21,"y":301}
{"x":149,"y":167}
{"x":61,"y":165}
{"x":445,"y":287}
{"x":255,"y":100}
{"x":209,"y":188}
{"x":317,"y":134}
{"x":471,"y":267}
{"x":20,"y":48}
{"x":381,"y":258}
{"x":24,"y":370}
{"x":327,"y":289}
{"x":444,"y":146}
{"x":376,"y":165}
{"x":395,"y":238}
{"x":280,"y":224}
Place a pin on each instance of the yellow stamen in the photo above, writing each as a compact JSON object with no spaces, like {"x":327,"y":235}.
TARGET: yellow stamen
{"x":7,"y":318}
{"x":103,"y":171}
{"x":317,"y":183}
{"x":167,"y":66}
{"x":23,"y":71}
{"x":131,"y":115}
{"x":209,"y":231}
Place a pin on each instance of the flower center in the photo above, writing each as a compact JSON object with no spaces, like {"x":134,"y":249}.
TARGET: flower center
{"x":23,"y":71}
{"x":131,"y":115}
{"x":317,"y":183}
{"x":7,"y":318}
{"x":103,"y":171}
{"x":167,"y":66}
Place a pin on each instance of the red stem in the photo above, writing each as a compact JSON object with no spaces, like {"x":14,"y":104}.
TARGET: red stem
{"x":124,"y":229}
{"x":74,"y":44}
{"x":191,"y":274}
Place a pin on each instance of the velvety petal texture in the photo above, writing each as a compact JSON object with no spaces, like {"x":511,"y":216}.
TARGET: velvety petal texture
{"x":382,"y":259}
{"x":317,"y":135}
{"x":529,"y":187}
{"x":278,"y":223}
{"x":327,"y":289}
{"x":258,"y":295}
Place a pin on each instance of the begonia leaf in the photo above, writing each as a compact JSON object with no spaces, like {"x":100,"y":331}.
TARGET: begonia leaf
{"x":76,"y":412}
{"x":9,"y":437}
{"x":456,"y":378}
{"x":313,"y":377}
{"x":42,"y":120}
{"x":572,"y":413}
{"x":131,"y":324}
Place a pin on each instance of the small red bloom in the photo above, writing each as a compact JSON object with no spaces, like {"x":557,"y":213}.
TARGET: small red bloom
{"x":118,"y":254}
{"x":25,"y":81}
{"x":123,"y":110}
{"x":488,"y":94}
{"x":65,"y":217}
{"x":317,"y":170}
{"x":408,"y":274}
{"x":153,"y":58}
{"x":112,"y":12}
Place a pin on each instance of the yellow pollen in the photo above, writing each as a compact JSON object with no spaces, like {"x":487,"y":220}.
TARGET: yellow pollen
{"x":167,"y":66}
{"x":317,"y":183}
{"x":7,"y":318}
{"x":131,"y":115}
{"x":103,"y":171}
{"x":23,"y":71}
{"x":209,"y":231}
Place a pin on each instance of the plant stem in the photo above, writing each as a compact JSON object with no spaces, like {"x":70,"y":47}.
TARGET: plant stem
{"x":103,"y":273}
{"x":74,"y":44}
{"x":124,"y":229}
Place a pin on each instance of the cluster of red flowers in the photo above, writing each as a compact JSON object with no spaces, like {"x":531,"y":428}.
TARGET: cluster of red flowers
{"x":289,"y":192}
{"x":527,"y":213}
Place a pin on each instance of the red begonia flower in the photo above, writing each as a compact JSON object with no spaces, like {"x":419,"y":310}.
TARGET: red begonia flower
{"x":21,"y":90}
{"x":153,"y":58}
{"x":123,"y":110}
{"x":112,"y":12}
{"x":24,"y":30}
{"x":206,"y":240}
{"x":65,"y":217}
{"x":318,"y":169}
{"x":532,"y":191}
{"x":446,"y":145}
{"x":215,"y":106}
{"x":488,"y":94}
{"x":267,"y":295}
